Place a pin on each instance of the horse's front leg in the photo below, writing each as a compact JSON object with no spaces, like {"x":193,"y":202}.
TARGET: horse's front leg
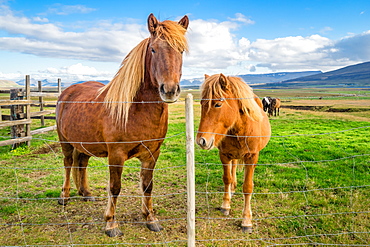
{"x":146,"y":177}
{"x":228,"y":184}
{"x":115,"y":172}
{"x":250,"y":160}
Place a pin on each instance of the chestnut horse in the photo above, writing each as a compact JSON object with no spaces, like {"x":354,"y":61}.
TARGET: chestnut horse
{"x":124,"y":119}
{"x":274,"y":107}
{"x":232,"y":119}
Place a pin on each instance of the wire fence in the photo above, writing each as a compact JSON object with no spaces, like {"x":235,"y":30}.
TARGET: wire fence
{"x":292,"y":203}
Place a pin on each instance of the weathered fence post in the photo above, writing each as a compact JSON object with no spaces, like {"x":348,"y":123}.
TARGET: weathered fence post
{"x":59,"y":86}
{"x":16,"y":113}
{"x":190,"y":169}
{"x":28,"y":107}
{"x":41,"y":99}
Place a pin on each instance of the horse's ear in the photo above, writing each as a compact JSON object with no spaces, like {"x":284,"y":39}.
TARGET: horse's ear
{"x":206,"y":76}
{"x":184,"y":22}
{"x":223,"y":81}
{"x":152,"y":24}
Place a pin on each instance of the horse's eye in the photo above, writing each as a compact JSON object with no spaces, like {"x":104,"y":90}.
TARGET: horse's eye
{"x":153,"y":51}
{"x":218,"y":105}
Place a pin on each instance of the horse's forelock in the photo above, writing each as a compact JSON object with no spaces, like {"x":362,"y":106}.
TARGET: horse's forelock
{"x":174,"y":34}
{"x":211,"y":89}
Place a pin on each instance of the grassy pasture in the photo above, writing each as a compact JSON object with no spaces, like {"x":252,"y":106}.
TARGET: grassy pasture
{"x":312,"y":184}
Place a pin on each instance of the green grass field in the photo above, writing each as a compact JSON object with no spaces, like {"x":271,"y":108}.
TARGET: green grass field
{"x":311,"y":187}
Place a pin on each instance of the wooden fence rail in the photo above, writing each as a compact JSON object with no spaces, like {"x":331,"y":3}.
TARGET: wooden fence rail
{"x":20,"y":117}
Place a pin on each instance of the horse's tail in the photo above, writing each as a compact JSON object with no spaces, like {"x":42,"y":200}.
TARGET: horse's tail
{"x":75,"y":169}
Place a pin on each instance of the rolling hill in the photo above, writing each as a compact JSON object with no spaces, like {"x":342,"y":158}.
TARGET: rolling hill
{"x":256,"y":78}
{"x":6,"y":84}
{"x":357,"y":75}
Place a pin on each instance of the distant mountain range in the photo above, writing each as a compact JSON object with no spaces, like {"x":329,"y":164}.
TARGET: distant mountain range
{"x":47,"y":83}
{"x":351,"y":76}
{"x":257,"y":78}
{"x":357,"y":75}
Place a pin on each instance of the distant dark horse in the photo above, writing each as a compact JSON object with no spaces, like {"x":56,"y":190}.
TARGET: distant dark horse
{"x":232,"y":120}
{"x":274,"y":107}
{"x":127,"y":118}
{"x":266,"y":101}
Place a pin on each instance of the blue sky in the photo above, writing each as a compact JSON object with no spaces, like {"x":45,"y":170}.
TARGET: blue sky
{"x":86,"y":40}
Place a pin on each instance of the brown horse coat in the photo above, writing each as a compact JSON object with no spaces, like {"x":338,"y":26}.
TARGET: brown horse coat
{"x":274,"y":107}
{"x":126,"y":118}
{"x":232,"y":119}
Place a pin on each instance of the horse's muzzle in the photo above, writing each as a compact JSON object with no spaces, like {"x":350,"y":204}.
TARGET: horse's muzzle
{"x":202,"y":142}
{"x":169,"y":94}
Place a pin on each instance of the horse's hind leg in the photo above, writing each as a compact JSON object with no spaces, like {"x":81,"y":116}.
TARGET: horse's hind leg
{"x":68,"y":160}
{"x":234,"y":179}
{"x":79,"y":172}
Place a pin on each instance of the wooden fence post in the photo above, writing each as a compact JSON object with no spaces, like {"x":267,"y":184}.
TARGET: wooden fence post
{"x":16,"y":113}
{"x":28,"y":107}
{"x":190,"y":169}
{"x":59,"y":86}
{"x":41,"y":99}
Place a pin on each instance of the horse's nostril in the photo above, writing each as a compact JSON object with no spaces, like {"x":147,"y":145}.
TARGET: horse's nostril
{"x":161,"y":88}
{"x":202,"y":142}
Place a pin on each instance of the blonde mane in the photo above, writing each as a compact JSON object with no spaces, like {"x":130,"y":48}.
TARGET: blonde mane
{"x":122,"y":89}
{"x":212,"y":89}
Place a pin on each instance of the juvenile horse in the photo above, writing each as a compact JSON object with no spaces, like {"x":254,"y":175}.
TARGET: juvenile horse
{"x":124,"y":119}
{"x":274,"y":107}
{"x":266,"y":101}
{"x":232,"y":119}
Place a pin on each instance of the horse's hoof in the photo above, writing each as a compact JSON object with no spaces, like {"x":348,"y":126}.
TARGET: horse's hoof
{"x":63,"y":201}
{"x":155,"y":227}
{"x":89,"y":199}
{"x":247,"y":229}
{"x":114,"y":232}
{"x":226,"y":212}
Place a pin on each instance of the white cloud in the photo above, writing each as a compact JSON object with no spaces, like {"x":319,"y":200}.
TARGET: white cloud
{"x":352,"y":48}
{"x":243,"y":19}
{"x":326,"y":30}
{"x":288,"y":50}
{"x":60,"y":9}
{"x":76,"y":72}
{"x":11,"y":76}
{"x":214,"y":47}
{"x":103,"y":42}
{"x":39,"y":19}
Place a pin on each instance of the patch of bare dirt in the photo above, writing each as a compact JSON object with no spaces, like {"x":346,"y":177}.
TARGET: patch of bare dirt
{"x":54,"y":147}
